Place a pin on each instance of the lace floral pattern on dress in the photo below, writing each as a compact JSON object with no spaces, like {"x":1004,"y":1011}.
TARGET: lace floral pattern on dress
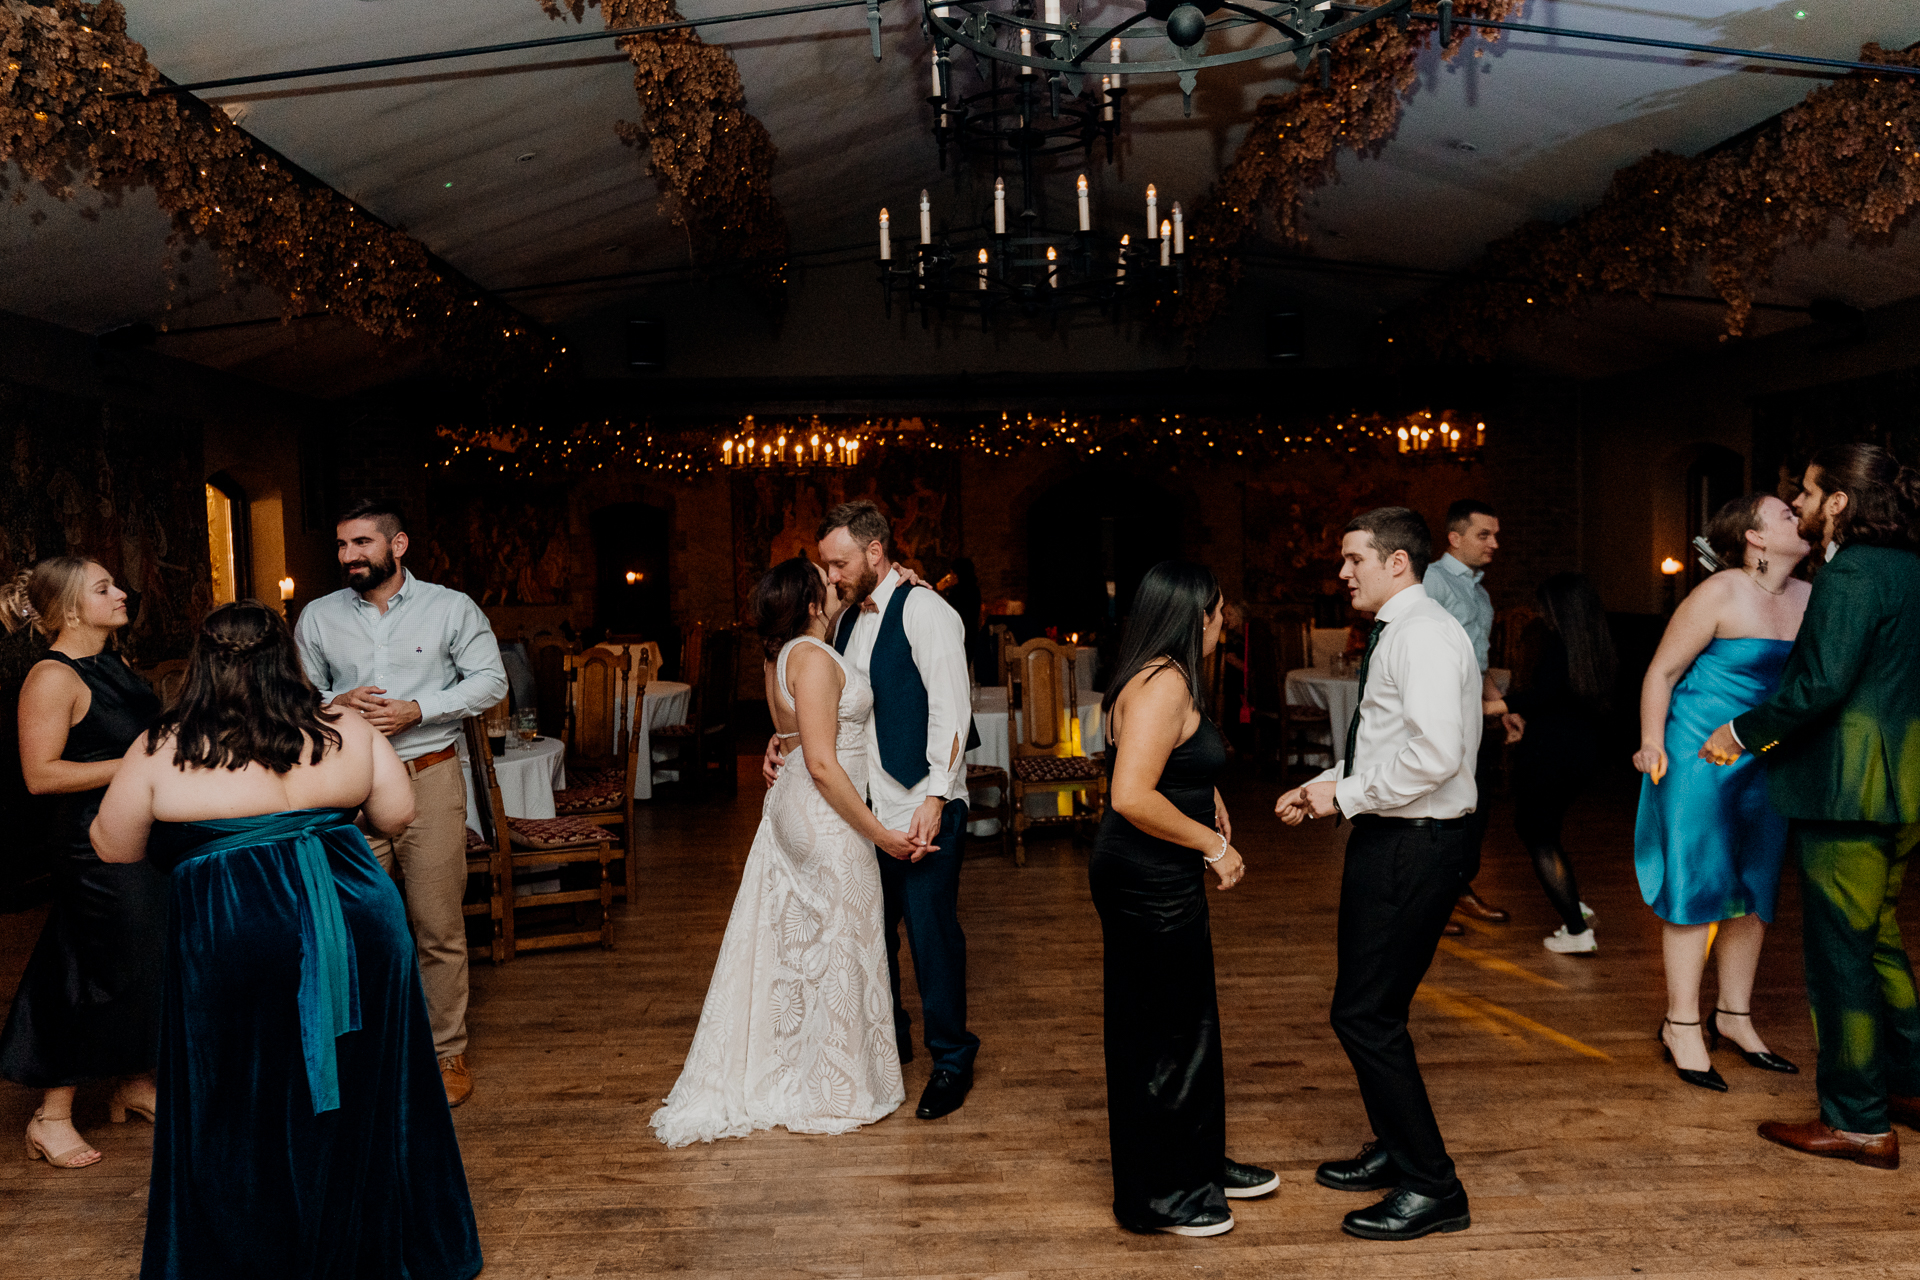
{"x":797,"y":1029}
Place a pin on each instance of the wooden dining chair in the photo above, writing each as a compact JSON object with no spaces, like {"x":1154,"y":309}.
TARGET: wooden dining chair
{"x":986,"y":777}
{"x":692,"y":642}
{"x":485,"y":862}
{"x":548,"y":654}
{"x":597,"y":679}
{"x":1305,"y":731}
{"x":1047,"y":684}
{"x":701,"y":748}
{"x":566,"y":846}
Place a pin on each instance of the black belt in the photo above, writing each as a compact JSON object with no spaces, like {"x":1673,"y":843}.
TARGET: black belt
{"x":1437,"y":824}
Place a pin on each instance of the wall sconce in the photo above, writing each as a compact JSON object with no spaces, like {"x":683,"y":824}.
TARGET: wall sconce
{"x":1670,"y":566}
{"x":633,"y":577}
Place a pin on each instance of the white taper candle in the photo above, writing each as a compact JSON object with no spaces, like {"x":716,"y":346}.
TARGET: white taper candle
{"x":1166,"y":244}
{"x":1179,"y":231}
{"x":999,"y":206}
{"x":1086,"y":214}
{"x":926,"y":218}
{"x":1153,"y":212}
{"x":886,"y":239}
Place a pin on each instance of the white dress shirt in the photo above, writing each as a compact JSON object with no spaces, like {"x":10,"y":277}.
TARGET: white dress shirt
{"x":939,"y":642}
{"x":432,"y":646}
{"x":1419,"y":718}
{"x":1459,"y":592}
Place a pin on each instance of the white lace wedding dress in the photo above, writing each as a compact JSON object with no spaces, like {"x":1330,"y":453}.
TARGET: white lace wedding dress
{"x":797,"y":1029}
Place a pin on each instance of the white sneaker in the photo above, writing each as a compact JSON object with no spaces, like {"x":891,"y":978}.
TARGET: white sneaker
{"x":1571,"y":944}
{"x":1586,"y":913}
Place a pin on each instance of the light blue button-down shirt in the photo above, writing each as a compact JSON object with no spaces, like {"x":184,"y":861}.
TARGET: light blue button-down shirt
{"x":1459,"y":592}
{"x":432,"y":646}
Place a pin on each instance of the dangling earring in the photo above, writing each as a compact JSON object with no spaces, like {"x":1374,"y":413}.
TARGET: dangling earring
{"x":1761,"y":568}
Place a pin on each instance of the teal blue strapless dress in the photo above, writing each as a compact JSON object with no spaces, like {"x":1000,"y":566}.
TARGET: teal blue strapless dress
{"x":1708,"y":844}
{"x":302,"y":1130}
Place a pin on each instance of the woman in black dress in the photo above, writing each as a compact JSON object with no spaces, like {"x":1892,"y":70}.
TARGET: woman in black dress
{"x":1558,"y":713}
{"x":1165,"y":826}
{"x":88,"y":1006}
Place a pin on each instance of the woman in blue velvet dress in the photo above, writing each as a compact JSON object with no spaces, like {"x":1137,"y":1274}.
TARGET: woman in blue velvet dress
{"x":1708,"y":846}
{"x":302,"y":1128}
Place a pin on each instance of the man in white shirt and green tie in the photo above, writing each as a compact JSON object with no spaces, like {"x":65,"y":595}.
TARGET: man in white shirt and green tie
{"x":415,"y":659}
{"x":1407,"y":787}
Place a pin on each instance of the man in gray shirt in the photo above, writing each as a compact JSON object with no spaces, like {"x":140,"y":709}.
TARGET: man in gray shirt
{"x":1473,"y":535}
{"x":415,"y":659}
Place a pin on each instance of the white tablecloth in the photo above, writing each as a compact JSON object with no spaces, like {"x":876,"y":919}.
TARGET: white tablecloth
{"x":667,"y":702}
{"x":1337,"y":695}
{"x":990,"y":718}
{"x":528,"y":779}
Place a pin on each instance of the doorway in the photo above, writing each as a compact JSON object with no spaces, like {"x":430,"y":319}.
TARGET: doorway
{"x":1716,"y":477}
{"x":632,"y":593}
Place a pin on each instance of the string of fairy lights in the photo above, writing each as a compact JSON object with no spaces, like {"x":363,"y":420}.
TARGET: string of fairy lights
{"x":822,"y":442}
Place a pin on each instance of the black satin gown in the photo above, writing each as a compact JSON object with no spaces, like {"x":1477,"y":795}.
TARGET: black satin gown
{"x":303,"y":1130}
{"x":88,"y":1005}
{"x":1166,"y":1086}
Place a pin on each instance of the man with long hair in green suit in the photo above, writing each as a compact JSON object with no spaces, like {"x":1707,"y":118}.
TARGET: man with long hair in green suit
{"x":1841,"y":737}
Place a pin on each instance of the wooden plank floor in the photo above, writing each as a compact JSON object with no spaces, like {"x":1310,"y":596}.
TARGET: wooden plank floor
{"x":1583,"y":1154}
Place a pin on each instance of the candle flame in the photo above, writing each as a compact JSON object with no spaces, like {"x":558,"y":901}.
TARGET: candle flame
{"x":983,"y":257}
{"x":1670,"y":566}
{"x":1083,"y":184}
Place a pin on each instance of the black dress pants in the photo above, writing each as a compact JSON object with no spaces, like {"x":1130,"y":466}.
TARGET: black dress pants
{"x":1397,"y":890}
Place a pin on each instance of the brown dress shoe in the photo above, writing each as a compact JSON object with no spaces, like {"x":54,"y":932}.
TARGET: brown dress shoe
{"x":1905,"y":1111}
{"x":453,"y":1074}
{"x":1816,"y":1139}
{"x":1453,"y":929}
{"x":1471,"y":906}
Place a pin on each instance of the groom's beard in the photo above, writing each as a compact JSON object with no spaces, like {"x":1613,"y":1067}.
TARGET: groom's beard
{"x":1813,"y":526}
{"x":855,"y":593}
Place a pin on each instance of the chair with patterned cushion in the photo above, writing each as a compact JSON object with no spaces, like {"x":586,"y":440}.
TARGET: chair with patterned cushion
{"x":564,"y":845}
{"x":483,"y":896}
{"x":1047,"y":692}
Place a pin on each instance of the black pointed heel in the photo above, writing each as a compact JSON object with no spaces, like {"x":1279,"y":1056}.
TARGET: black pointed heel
{"x":1763,"y":1060}
{"x":1708,"y":1079}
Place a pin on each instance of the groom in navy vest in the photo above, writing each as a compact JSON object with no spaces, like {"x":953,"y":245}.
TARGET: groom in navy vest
{"x":911,"y":647}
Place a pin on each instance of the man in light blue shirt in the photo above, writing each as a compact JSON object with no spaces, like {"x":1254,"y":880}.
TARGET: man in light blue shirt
{"x":415,"y":659}
{"x":1473,"y":535}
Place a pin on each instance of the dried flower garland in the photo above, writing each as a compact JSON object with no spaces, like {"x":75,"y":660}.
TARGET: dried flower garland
{"x":61,"y":63}
{"x":712,"y":159}
{"x":1850,"y":151}
{"x":1295,"y":140}
{"x":553,"y":452}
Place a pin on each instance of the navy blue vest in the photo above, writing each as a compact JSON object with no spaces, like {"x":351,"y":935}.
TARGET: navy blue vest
{"x":899,"y":694}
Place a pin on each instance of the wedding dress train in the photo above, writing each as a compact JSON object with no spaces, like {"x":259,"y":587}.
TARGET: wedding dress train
{"x":797,"y":1029}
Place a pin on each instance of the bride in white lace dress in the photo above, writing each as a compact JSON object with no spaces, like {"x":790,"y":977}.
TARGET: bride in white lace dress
{"x":797,"y":1029}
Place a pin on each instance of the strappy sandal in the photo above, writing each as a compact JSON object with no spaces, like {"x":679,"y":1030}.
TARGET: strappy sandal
{"x":121,"y":1103}
{"x":72,"y":1158}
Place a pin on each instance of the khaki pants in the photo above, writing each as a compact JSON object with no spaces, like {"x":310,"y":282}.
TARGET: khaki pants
{"x":431,"y":857}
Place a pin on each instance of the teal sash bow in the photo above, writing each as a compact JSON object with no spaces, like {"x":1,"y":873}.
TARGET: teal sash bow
{"x":329,"y":997}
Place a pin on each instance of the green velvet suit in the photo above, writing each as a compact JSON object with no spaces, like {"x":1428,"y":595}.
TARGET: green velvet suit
{"x":1841,"y":737}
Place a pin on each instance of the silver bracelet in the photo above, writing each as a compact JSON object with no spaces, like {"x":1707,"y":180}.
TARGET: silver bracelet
{"x":1216,"y":857}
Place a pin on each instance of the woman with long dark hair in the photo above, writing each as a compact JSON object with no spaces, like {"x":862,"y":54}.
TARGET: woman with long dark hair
{"x":302,"y":1128}
{"x":1164,"y":828}
{"x":88,"y":1006}
{"x":1558,"y":711}
{"x":1708,"y":845}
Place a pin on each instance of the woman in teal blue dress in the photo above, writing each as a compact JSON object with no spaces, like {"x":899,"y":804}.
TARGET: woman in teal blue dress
{"x":302,"y":1128}
{"x":1708,"y":846}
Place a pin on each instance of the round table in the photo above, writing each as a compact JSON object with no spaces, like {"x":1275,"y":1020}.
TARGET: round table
{"x":528,"y":778}
{"x":990,"y":718}
{"x":1337,"y":695}
{"x":666,"y":702}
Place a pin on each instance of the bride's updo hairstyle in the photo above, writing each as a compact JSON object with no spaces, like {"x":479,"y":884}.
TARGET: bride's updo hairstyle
{"x":46,"y":597}
{"x":783,"y":600}
{"x":245,"y":700}
{"x":1169,"y":622}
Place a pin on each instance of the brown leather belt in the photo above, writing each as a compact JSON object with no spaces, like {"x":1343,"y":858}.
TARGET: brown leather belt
{"x":429,"y":760}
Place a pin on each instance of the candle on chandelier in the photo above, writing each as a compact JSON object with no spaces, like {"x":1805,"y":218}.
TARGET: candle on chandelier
{"x":938,"y":92}
{"x":1113,"y":59}
{"x":926,"y":218}
{"x":1122,"y":273}
{"x":1053,"y":267}
{"x":999,"y":206}
{"x":1053,"y":13}
{"x":1166,"y":243}
{"x":726,"y":450}
{"x":886,"y":239}
{"x":1026,"y":49}
{"x":1086,"y":214}
{"x":1179,"y":231}
{"x":1153,"y":212}
{"x":983,"y":269}
{"x":816,"y":448}
{"x":1106,"y":97}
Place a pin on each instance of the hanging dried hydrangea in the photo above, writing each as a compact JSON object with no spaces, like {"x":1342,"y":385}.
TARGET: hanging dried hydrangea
{"x":1850,"y":152}
{"x":713,"y":160}
{"x":62,"y":64}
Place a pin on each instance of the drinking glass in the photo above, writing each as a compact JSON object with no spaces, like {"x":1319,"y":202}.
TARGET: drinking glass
{"x":526,"y":726}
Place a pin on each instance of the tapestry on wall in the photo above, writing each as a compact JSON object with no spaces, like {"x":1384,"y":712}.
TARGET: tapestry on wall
{"x":498,"y":549}
{"x":120,"y":486}
{"x":777,"y":515}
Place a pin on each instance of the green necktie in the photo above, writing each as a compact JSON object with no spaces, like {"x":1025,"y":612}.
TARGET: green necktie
{"x":1353,"y":725}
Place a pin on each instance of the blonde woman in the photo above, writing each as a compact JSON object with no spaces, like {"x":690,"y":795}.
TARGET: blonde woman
{"x":88,"y":1006}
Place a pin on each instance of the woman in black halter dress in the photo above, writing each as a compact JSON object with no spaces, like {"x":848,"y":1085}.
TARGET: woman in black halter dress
{"x":88,"y":1005}
{"x":1164,"y":829}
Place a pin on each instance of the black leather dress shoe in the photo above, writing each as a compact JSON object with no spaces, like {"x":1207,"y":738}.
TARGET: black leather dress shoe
{"x":944,"y":1094}
{"x":1372,"y":1170}
{"x":1408,"y":1215}
{"x":1245,"y":1181}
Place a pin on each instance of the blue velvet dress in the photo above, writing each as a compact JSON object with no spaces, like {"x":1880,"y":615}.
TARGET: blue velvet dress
{"x":303,"y":1129}
{"x":1708,"y":844}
